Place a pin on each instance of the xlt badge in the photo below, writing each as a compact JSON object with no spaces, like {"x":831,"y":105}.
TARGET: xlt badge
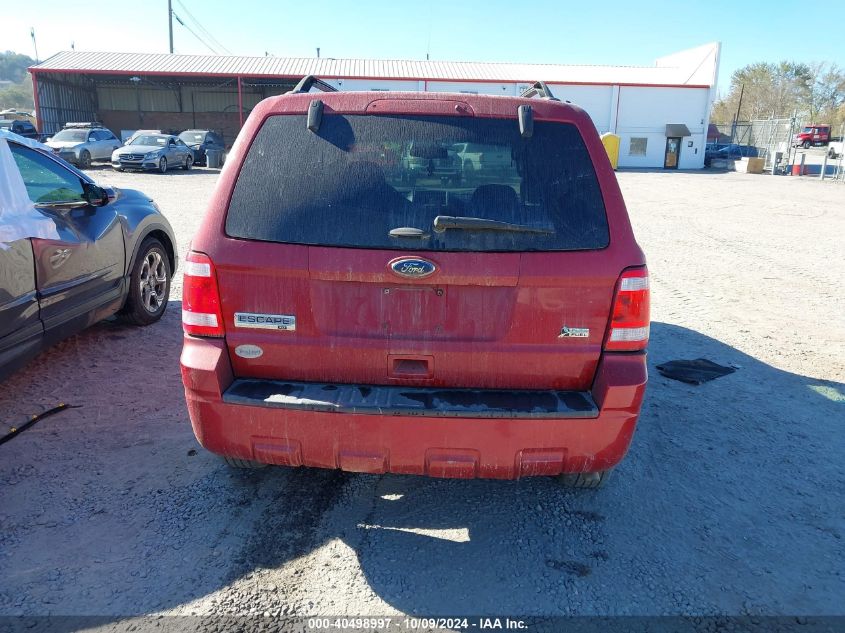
{"x":265,"y":321}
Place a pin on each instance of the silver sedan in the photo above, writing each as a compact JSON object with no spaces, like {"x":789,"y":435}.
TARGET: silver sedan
{"x":150,"y":152}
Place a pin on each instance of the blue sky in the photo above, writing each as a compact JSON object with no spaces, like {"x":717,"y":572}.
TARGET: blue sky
{"x":541,"y":31}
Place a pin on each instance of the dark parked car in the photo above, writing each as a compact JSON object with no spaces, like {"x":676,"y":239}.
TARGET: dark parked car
{"x":21,"y":128}
{"x":150,"y":152}
{"x":731,"y":151}
{"x":200,"y":141}
{"x":112,"y":251}
{"x":347,"y":306}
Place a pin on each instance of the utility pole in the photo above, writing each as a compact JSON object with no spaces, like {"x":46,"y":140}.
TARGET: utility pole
{"x":32,"y":33}
{"x":736,"y":116}
{"x":170,"y":22}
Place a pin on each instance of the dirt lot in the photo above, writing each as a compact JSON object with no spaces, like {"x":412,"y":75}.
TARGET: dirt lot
{"x":730,"y":502}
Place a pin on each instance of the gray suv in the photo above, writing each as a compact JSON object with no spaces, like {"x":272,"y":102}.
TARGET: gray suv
{"x":113,"y":253}
{"x":82,"y":143}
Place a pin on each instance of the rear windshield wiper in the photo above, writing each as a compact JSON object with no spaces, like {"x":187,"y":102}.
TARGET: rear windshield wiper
{"x":444,"y":222}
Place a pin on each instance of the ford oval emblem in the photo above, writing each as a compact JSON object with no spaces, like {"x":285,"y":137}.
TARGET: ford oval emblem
{"x":412,"y":267}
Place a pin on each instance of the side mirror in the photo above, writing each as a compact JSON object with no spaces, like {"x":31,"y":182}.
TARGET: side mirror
{"x":95,"y":195}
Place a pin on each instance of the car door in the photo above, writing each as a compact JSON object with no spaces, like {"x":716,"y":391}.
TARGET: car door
{"x":106,"y":144}
{"x":184,"y":151}
{"x":80,"y":274}
{"x":172,"y":153}
{"x":20,"y":328}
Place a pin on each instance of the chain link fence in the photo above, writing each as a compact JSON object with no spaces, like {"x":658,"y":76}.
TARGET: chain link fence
{"x":771,"y":138}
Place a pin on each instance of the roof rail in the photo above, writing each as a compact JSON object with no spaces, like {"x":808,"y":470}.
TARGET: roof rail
{"x":310,"y":81}
{"x":539,"y":89}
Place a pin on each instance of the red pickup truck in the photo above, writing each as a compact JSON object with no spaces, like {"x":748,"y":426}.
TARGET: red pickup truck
{"x":811,"y":135}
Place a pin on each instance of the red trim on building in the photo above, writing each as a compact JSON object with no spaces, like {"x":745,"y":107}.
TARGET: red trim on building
{"x":159,"y":73}
{"x":37,"y":104}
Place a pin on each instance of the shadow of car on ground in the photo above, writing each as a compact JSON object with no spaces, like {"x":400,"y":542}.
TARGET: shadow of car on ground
{"x":728,"y":503}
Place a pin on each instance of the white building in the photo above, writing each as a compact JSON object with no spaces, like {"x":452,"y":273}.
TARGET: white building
{"x":661,"y":112}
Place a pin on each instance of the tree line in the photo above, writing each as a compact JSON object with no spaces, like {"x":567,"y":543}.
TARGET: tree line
{"x":18,"y":94}
{"x":815,"y":93}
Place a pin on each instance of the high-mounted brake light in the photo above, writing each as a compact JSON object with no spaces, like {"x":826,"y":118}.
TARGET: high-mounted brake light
{"x":201,"y":314}
{"x":629,"y":323}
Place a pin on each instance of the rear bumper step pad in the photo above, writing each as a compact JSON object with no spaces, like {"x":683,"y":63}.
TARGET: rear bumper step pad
{"x":411,"y":401}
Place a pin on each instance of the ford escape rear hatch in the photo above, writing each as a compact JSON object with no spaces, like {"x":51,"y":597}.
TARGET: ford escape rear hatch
{"x":427,"y":251}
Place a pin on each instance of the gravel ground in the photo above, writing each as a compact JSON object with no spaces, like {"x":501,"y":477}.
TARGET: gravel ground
{"x":730,"y":501}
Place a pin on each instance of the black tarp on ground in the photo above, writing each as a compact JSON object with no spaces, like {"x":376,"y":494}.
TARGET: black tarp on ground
{"x":694,"y":372}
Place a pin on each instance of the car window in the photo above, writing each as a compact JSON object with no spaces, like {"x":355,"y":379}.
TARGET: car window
{"x":46,"y":181}
{"x":149,"y":139}
{"x":77,"y":136}
{"x":192,"y":137}
{"x":361,"y":176}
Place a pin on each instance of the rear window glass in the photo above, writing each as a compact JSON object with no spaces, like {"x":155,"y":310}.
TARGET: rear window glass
{"x":360,"y":177}
{"x":192,"y":137}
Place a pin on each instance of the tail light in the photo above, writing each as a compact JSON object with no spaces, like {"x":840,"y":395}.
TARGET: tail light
{"x":629,"y":323}
{"x":201,"y":314}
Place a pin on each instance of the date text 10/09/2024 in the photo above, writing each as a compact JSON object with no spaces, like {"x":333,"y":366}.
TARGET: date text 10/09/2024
{"x":416,"y":624}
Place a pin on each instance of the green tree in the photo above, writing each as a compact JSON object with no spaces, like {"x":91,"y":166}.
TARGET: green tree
{"x":815,"y":92}
{"x":13,"y":66}
{"x":18,"y":96}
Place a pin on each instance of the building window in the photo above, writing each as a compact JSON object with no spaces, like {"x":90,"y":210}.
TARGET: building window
{"x":638,"y":146}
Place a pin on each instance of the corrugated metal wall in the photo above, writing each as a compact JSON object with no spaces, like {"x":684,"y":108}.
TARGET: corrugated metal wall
{"x":65,"y":98}
{"x":178,"y":99}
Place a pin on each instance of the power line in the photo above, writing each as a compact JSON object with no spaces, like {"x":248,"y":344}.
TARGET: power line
{"x":202,"y":29}
{"x":191,"y":31}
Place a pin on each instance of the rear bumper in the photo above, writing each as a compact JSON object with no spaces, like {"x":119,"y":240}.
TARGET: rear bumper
{"x":231,"y":420}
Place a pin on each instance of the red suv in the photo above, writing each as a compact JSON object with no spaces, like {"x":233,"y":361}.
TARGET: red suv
{"x":340,"y":312}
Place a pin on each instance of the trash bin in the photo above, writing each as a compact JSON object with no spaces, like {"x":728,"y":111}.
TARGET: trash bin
{"x":611,"y":146}
{"x":214,"y":158}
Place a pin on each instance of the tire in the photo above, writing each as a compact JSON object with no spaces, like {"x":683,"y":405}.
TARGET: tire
{"x":806,"y":145}
{"x":584,"y":480}
{"x":84,"y":159}
{"x":162,"y":165}
{"x":243,"y":464}
{"x":189,"y":160}
{"x":149,"y":285}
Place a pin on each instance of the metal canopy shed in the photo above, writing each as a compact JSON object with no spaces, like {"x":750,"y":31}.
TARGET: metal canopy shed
{"x":129,"y":91}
